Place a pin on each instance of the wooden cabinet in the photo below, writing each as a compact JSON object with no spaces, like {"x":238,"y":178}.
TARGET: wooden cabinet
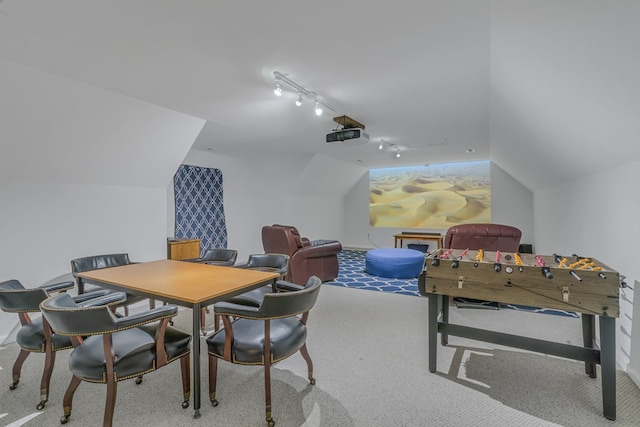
{"x":183,"y":248}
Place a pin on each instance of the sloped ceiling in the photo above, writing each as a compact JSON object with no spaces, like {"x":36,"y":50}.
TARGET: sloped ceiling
{"x":545,"y":89}
{"x":57,"y":130}
{"x":564,"y":88}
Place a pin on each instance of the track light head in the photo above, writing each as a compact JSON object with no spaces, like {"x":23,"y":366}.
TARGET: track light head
{"x":381,"y":146}
{"x":398,"y":153}
{"x":281,"y":78}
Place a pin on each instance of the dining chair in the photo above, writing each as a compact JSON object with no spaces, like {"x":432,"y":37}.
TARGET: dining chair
{"x":263,"y":335}
{"x":96,"y":262}
{"x":273,"y":263}
{"x":222,"y":257}
{"x":114,"y":348}
{"x":35,"y":335}
{"x":219,"y":257}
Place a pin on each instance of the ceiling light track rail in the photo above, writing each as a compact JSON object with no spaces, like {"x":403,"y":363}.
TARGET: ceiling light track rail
{"x":319,"y":103}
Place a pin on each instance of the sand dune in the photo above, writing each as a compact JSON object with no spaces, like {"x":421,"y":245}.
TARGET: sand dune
{"x":414,"y":202}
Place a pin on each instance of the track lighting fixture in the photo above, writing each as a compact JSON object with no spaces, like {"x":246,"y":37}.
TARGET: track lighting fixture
{"x":391,"y":146}
{"x":278,"y":89}
{"x":319,"y":103}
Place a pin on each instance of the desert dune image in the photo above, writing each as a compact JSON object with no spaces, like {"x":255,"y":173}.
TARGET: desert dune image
{"x":430,"y":196}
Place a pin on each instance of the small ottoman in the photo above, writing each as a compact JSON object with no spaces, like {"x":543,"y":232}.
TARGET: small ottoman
{"x":394,"y":263}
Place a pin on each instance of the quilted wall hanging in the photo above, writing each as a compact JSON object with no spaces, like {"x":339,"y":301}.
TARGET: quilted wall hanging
{"x":199,"y":206}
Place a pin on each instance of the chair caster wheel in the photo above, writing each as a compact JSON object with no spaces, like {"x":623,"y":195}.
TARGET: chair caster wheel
{"x":271,"y":422}
{"x":185,"y":404}
{"x":14,"y":385}
{"x":312,"y":381}
{"x":204,"y":333}
{"x":214,"y":402}
{"x":64,"y":419}
{"x":40,"y":406}
{"x":139,"y":380}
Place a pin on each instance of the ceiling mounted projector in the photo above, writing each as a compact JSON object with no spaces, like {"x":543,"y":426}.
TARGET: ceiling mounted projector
{"x":349,"y":134}
{"x":352,"y":131}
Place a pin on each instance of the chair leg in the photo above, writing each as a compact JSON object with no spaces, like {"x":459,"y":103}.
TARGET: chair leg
{"x":267,"y":390}
{"x":67,"y":400}
{"x":203,"y":319}
{"x":109,"y":408}
{"x":49,"y":362}
{"x":170,"y":321}
{"x":213,"y":378}
{"x":185,"y":368}
{"x":216,"y":322}
{"x":307,"y":358}
{"x":17,"y":367}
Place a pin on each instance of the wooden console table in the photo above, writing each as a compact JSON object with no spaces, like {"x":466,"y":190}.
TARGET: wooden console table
{"x":180,"y":249}
{"x":434,"y":237}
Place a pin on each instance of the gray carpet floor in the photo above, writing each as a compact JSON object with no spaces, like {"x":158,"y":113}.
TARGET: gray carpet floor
{"x":370,"y":361}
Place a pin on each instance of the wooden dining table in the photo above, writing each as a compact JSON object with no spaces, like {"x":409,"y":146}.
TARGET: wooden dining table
{"x":186,"y":284}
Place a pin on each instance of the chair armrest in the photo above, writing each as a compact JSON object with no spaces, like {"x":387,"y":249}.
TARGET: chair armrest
{"x":98,"y":298}
{"x":236,"y":310}
{"x":58,"y":287}
{"x":149,"y":316}
{"x":288,"y":286}
{"x":241,"y":265}
{"x":192,"y":260}
{"x":319,"y":251}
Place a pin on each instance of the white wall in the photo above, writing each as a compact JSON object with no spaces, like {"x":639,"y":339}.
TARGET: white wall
{"x":512,"y":204}
{"x":259,"y":192}
{"x":83,"y":171}
{"x":596,"y":216}
{"x":58,"y":130}
{"x":45,"y":225}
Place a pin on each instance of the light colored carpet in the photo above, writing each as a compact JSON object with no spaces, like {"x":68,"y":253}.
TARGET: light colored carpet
{"x":370,"y":361}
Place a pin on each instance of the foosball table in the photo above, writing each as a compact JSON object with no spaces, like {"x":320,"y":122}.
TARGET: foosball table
{"x":571,"y":283}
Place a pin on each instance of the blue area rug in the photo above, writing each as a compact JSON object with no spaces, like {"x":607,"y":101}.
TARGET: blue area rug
{"x":352,"y":274}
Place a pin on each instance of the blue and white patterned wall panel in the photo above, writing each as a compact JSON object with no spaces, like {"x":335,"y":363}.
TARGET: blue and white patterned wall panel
{"x":199,"y":206}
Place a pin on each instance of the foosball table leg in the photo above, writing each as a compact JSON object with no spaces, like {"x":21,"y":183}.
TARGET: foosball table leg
{"x":588,"y":340}
{"x":444,"y":337}
{"x":608,"y":365}
{"x":432,"y":331}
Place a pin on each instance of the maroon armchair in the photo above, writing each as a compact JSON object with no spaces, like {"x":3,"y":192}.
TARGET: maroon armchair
{"x":306,"y":258}
{"x":488,"y":237}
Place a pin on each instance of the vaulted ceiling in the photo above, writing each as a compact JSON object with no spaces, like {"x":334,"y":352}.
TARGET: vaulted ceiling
{"x":547,"y":90}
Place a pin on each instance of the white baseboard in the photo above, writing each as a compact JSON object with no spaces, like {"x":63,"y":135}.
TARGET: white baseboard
{"x":633,"y":375}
